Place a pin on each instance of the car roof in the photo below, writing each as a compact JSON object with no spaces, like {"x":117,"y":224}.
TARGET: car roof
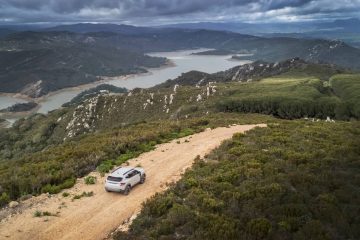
{"x":120,"y":172}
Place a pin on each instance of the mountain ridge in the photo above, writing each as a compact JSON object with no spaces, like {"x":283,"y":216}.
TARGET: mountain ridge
{"x":36,"y":63}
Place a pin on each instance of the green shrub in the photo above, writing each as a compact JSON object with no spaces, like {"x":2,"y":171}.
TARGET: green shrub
{"x":68,"y":183}
{"x":52,"y":189}
{"x":46,"y":213}
{"x":84,"y":194}
{"x":90,"y":180}
{"x":259,"y":228}
{"x":37,"y":213}
{"x":4,"y":199}
{"x":105,"y":166}
{"x":65,"y":194}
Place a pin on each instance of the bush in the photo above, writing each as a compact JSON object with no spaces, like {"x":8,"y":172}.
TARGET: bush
{"x":68,"y":183}
{"x":259,"y":228}
{"x":4,"y":199}
{"x":37,"y":213}
{"x":65,"y":194}
{"x":84,"y":194}
{"x":105,"y":167}
{"x":52,"y":189}
{"x":90,"y":180}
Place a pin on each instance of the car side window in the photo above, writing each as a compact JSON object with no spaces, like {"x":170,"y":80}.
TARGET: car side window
{"x":130,"y":175}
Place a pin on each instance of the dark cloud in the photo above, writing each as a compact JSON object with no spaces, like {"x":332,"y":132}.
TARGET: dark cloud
{"x":171,"y":10}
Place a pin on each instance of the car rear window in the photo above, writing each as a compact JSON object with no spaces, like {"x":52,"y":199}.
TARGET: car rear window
{"x":114,"y":179}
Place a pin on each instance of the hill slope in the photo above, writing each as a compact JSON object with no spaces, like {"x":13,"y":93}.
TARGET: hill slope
{"x":35,"y":64}
{"x":291,"y":180}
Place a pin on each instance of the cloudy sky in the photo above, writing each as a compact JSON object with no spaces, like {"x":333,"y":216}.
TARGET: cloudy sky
{"x":151,"y":12}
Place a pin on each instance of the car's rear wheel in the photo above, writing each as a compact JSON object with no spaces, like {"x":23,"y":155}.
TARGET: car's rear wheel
{"x":127,"y":190}
{"x":143,"y":178}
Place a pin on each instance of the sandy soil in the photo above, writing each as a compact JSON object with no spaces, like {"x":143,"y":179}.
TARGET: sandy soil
{"x":97,"y":216}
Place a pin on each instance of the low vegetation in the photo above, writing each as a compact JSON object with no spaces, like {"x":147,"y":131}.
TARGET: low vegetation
{"x":57,"y":167}
{"x":65,"y":194}
{"x":347,"y":87}
{"x":294,"y":97}
{"x":83,"y":194}
{"x":291,"y":180}
{"x":90,"y":180}
{"x":38,"y":213}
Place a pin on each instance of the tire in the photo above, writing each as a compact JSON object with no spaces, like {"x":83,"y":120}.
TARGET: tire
{"x":127,"y":190}
{"x":143,"y":178}
{"x":107,"y":190}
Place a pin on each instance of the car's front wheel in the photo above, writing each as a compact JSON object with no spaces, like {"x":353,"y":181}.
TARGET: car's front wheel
{"x":143,"y":178}
{"x":127,"y":190}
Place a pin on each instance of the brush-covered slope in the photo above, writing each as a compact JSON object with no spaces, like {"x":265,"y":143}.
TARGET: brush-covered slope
{"x":291,"y":180}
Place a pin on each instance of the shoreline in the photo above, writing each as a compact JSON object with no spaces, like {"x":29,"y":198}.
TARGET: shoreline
{"x":102,"y":80}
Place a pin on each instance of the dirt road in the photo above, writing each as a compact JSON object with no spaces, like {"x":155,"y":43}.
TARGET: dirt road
{"x":95,"y":217}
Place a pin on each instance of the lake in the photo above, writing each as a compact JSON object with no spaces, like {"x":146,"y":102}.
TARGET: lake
{"x":184,"y":61}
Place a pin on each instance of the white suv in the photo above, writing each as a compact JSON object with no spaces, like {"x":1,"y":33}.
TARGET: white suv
{"x":124,"y":178}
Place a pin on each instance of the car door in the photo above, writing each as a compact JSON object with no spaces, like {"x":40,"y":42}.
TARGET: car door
{"x":134,"y":177}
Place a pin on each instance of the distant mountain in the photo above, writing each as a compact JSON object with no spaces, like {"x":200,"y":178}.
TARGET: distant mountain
{"x":349,"y":25}
{"x":346,"y":30}
{"x":346,"y":25}
{"x":36,"y":63}
{"x":247,"y":28}
{"x":88,"y":27}
{"x":5,"y":32}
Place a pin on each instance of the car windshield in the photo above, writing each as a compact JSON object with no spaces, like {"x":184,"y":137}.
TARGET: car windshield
{"x":114,"y":179}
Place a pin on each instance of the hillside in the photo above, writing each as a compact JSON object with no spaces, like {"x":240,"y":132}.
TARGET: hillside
{"x":292,"y":180}
{"x":35,"y":64}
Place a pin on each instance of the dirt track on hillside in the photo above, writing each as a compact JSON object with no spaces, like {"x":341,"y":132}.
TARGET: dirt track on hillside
{"x":95,"y":217}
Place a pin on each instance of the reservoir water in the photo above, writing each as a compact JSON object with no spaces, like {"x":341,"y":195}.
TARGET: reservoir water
{"x":184,"y":61}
